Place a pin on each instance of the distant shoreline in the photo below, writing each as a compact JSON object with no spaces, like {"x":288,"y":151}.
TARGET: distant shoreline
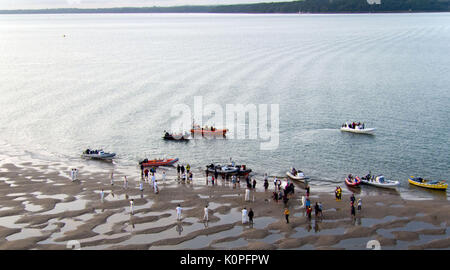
{"x":293,"y":7}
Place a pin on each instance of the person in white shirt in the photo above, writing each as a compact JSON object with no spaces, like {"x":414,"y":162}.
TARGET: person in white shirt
{"x":244,"y":216}
{"x":141,"y":186}
{"x":164,"y":176}
{"x":131,"y":206}
{"x":205,"y":216}
{"x":275,"y":182}
{"x":153,"y":179}
{"x":247,"y":194}
{"x":155,"y":187}
{"x":179,"y":209}
{"x":102,"y":195}
{"x":125,"y":182}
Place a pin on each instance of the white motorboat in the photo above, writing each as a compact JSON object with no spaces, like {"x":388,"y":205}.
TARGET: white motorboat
{"x":380,"y":181}
{"x":300,"y":176}
{"x":98,"y":154}
{"x":360,"y":129}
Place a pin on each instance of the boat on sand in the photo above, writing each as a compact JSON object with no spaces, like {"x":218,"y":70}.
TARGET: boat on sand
{"x":432,"y":184}
{"x":353,"y":181}
{"x":379,"y":181}
{"x":158,"y":162}
{"x":296,"y":175}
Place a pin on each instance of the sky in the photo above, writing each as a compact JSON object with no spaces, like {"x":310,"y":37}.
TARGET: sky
{"x":38,"y":4}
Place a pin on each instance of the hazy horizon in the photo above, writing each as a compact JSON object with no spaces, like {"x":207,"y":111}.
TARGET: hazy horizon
{"x":51,"y":4}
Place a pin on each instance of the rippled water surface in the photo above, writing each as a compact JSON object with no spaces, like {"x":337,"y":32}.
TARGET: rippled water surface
{"x":112,"y":81}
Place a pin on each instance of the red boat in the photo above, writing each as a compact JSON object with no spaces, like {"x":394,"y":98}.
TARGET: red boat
{"x":353,"y":181}
{"x":158,"y":162}
{"x":208,"y":131}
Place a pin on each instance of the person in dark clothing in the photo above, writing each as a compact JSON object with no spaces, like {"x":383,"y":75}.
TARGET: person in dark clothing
{"x":250,"y":216}
{"x":353,"y":210}
{"x":316,"y":209}
{"x":352,"y":199}
{"x":308,"y":211}
{"x":266,"y":184}
{"x":182,"y":169}
{"x":178,"y":169}
{"x":216,"y":174}
{"x":142,"y":170}
{"x":307,"y":191}
{"x":254,"y":184}
{"x":275,"y":196}
{"x":285,"y":200}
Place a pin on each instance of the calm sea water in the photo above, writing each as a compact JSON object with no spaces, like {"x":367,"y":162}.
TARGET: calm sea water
{"x":112,"y":80}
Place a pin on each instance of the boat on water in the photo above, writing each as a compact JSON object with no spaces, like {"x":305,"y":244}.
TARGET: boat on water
{"x":379,"y":181}
{"x":208,"y":131}
{"x":175,"y":136}
{"x":353,"y":181}
{"x":97,"y":154}
{"x":222,"y":169}
{"x":357,"y":128}
{"x":432,"y":184}
{"x":158,"y":162}
{"x":296,"y":175}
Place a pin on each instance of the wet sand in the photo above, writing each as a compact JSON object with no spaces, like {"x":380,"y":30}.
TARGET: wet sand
{"x":41,"y":208}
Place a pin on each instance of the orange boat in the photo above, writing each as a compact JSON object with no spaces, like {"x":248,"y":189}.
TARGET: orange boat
{"x":158,"y":162}
{"x":205,"y":131}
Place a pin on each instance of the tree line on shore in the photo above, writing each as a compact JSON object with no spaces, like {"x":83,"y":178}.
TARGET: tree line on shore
{"x":305,"y":6}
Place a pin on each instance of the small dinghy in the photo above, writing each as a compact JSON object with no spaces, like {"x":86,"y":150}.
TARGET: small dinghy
{"x":98,"y":154}
{"x":432,"y":184}
{"x":353,"y":181}
{"x":357,"y":128}
{"x":175,"y":137}
{"x":208,"y":131}
{"x":158,"y":162}
{"x":379,"y":181}
{"x":296,"y":175}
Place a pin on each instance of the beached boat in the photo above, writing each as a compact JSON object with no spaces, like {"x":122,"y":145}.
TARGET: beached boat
{"x":299,"y":177}
{"x":227,"y":169}
{"x":357,"y":128}
{"x":208,"y":131}
{"x":243,"y":170}
{"x":432,"y":184}
{"x":353,"y":181}
{"x":97,"y":154}
{"x":158,"y":162}
{"x":380,"y":181}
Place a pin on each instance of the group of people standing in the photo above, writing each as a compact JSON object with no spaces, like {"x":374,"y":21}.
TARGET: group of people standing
{"x":184,"y":173}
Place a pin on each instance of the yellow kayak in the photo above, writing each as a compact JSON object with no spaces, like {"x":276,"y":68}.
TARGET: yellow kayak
{"x":433,"y":184}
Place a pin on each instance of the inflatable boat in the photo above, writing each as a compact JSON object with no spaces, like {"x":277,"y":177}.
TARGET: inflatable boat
{"x":432,"y":184}
{"x":380,"y":181}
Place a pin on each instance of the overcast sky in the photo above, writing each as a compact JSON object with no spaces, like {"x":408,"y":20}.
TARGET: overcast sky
{"x":33,"y":4}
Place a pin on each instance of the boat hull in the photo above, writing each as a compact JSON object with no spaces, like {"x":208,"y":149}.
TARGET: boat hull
{"x":205,"y":132}
{"x":355,"y":183}
{"x":297,"y":178}
{"x":157,"y":163}
{"x":390,"y":184}
{"x":220,"y":171}
{"x":441,"y":186}
{"x":368,"y":131}
{"x":99,"y":157}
